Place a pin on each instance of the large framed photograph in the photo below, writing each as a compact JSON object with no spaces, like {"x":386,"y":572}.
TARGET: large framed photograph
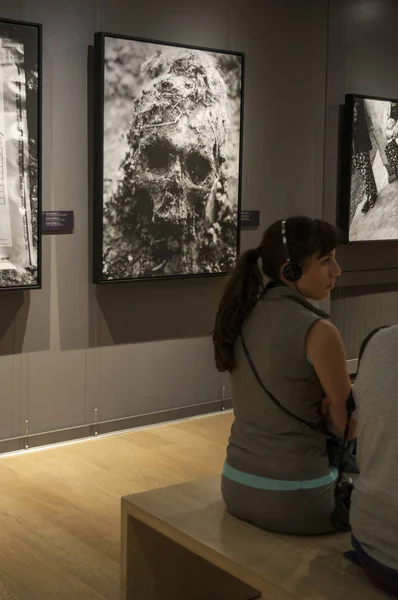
{"x":168,"y":138}
{"x":370,"y":199}
{"x":20,"y":155}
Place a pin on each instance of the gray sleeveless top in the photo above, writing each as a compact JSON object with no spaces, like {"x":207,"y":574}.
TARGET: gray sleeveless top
{"x":264,"y":440}
{"x":374,"y":508}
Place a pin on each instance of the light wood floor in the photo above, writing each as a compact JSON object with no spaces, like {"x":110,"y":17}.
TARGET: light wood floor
{"x":60,"y":506}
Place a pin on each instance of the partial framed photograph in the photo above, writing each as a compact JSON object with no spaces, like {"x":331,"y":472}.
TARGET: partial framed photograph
{"x":369,"y":210}
{"x":168,"y":159}
{"x":20,"y":155}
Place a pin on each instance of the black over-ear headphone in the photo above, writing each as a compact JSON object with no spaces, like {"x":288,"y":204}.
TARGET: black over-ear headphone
{"x":292,"y":271}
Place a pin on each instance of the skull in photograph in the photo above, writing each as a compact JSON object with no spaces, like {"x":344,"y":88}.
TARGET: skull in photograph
{"x":170,"y":214}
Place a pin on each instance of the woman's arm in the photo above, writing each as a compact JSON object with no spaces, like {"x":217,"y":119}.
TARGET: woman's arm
{"x":325,"y":349}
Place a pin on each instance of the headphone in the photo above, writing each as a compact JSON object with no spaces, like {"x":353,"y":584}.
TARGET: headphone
{"x":292,"y":271}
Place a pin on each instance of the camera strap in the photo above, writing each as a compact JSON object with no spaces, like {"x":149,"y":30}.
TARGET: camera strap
{"x":350,"y":407}
{"x":303,"y":422}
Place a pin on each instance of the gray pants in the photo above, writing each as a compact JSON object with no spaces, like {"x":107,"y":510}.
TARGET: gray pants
{"x":299,"y":512}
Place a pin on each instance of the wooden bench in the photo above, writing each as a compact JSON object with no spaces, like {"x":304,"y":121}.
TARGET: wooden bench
{"x":179,"y":543}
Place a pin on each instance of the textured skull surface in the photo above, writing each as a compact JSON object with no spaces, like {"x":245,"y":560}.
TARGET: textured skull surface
{"x":164,"y":215}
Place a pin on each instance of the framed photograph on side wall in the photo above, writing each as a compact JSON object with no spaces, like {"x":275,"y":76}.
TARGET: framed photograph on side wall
{"x":168,"y":129}
{"x":20,"y":155}
{"x":369,"y":209}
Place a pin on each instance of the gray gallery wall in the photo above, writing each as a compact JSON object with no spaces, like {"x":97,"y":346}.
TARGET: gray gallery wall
{"x":362,"y":60}
{"x":72,"y":353}
{"x":124,"y":350}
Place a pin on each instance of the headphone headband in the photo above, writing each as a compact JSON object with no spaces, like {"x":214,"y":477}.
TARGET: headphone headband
{"x":284,"y":241}
{"x":292,"y":271}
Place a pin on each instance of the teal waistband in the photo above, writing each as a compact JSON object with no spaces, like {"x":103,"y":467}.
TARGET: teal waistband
{"x":264,"y":483}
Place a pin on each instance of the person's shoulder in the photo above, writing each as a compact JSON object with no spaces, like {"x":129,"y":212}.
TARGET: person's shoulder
{"x":389,"y":330}
{"x":384,"y":336}
{"x":381,"y":336}
{"x":324,"y":326}
{"x":324,"y":332}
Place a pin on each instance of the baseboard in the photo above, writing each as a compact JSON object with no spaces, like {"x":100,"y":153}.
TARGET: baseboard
{"x":105,"y":427}
{"x":115,"y":425}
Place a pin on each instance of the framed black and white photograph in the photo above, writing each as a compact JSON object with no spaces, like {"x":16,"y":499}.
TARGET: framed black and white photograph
{"x":20,"y":155}
{"x":168,"y":136}
{"x":370,"y":201}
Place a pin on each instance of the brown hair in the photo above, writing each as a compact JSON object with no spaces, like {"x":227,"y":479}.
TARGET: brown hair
{"x":306,"y":238}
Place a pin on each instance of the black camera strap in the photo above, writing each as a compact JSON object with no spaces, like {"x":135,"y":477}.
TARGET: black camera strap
{"x":305,"y":423}
{"x":350,"y":407}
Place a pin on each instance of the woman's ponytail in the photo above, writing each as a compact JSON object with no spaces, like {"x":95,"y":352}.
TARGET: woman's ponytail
{"x":240,"y":296}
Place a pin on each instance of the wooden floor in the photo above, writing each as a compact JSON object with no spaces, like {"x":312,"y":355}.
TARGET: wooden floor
{"x":60,"y":506}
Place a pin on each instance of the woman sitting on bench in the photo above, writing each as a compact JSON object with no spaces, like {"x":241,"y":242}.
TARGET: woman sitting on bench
{"x":374,"y":507}
{"x":285,"y":357}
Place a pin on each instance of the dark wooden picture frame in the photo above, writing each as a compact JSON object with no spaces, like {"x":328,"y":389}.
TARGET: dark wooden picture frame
{"x":20,"y":154}
{"x":369,"y":170}
{"x":137,"y":234}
